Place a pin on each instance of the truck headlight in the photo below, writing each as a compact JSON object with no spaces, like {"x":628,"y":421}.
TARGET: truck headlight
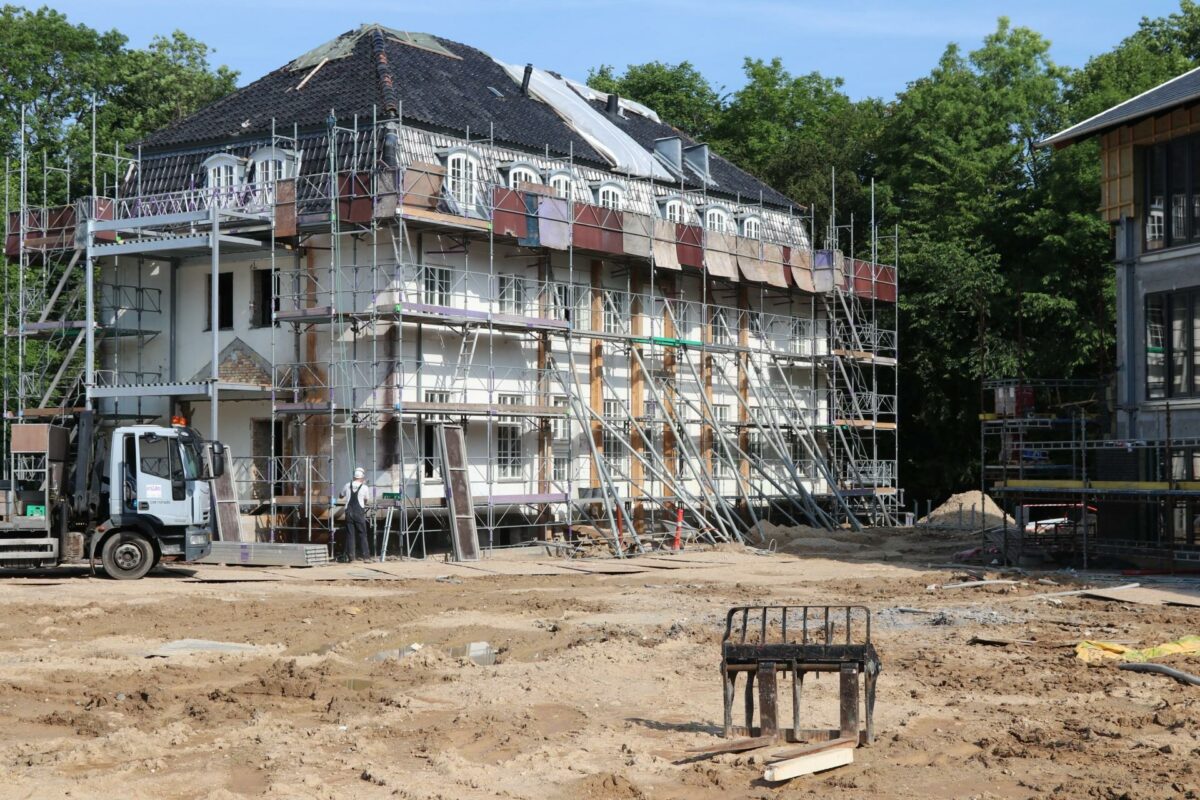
{"x":198,"y":538}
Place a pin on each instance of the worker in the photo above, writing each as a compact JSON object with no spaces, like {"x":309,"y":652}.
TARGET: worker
{"x":355,"y":497}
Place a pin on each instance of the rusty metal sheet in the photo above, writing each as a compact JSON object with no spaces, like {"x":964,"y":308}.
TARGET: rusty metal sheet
{"x":689,"y":243}
{"x":508,"y":216}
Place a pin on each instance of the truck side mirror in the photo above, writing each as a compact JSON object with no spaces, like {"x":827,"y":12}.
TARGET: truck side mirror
{"x":217,"y":459}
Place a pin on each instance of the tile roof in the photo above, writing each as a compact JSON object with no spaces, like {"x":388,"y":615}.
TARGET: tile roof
{"x":1163,"y":97}
{"x":729,"y":179}
{"x":372,"y":68}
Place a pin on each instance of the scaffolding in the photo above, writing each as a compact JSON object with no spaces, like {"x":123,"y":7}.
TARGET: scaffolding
{"x":670,"y":374}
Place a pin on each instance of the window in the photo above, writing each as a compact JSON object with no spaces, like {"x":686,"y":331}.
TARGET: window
{"x":266,"y":299}
{"x":612,"y":441}
{"x":719,"y":464}
{"x":224,"y":301}
{"x":512,"y":294}
{"x":560,"y":427}
{"x":570,"y":303}
{"x":610,"y":195}
{"x":562,"y":468}
{"x":271,"y":165}
{"x":508,"y":439}
{"x":673,"y":211}
{"x":462,"y":178}
{"x":1172,"y":193}
{"x":561,"y":183}
{"x":159,"y":457}
{"x":616,"y":311}
{"x":430,"y":454}
{"x":224,"y":171}
{"x":1173,"y":344}
{"x":519,"y":175}
{"x":717,"y":220}
{"x":437,"y":286}
{"x":752,"y":228}
{"x":720,"y":326}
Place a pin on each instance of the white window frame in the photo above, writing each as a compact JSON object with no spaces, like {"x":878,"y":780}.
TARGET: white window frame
{"x":509,"y":458}
{"x":560,"y":427}
{"x":560,"y":468}
{"x":718,"y":219}
{"x":611,"y":447}
{"x":752,"y":228}
{"x":610,"y":194}
{"x":522,"y":173}
{"x":438,"y":286}
{"x":511,"y":293}
{"x":555,"y":181}
{"x":674,"y":211}
{"x":616,"y":310}
{"x":271,"y":165}
{"x":719,"y":321}
{"x":463,"y":170}
{"x":225,"y":172}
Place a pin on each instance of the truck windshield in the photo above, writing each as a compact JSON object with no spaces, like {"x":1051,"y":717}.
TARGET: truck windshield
{"x":191,"y":460}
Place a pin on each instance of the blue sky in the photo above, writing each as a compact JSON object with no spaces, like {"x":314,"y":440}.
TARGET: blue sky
{"x":876,"y":46}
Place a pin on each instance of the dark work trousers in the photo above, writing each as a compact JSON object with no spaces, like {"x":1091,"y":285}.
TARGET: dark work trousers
{"x":356,"y":527}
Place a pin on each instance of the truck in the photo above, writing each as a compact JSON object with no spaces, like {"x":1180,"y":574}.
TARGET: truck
{"x":125,"y":500}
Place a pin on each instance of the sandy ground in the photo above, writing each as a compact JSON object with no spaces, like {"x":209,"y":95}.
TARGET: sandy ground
{"x":607,"y":673}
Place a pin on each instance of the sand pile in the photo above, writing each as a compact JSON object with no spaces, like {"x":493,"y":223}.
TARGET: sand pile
{"x":967,"y":510}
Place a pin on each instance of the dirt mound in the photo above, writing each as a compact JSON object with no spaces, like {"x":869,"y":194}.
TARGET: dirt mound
{"x":969,"y":510}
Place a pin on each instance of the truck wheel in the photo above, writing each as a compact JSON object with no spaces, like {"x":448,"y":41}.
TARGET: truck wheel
{"x":127,"y":556}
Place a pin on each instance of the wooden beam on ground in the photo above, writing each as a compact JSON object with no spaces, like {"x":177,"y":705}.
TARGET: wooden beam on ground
{"x":820,"y":757}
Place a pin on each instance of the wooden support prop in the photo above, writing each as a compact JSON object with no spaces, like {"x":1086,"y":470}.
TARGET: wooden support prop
{"x":826,"y":755}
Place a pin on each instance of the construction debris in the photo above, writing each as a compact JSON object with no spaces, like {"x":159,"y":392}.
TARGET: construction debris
{"x":1162,"y":669}
{"x":1092,"y":652}
{"x":819,"y":757}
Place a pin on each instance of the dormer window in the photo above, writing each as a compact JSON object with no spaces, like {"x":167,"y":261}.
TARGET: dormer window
{"x":674,"y":211}
{"x":271,"y":165}
{"x":224,"y":172}
{"x":462,"y":179}
{"x":519,"y":175}
{"x":610,"y":195}
{"x":561,"y":183}
{"x":717,"y":219}
{"x":752,"y":228}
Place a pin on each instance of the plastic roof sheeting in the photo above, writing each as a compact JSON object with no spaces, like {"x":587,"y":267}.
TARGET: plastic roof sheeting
{"x":625,"y":154}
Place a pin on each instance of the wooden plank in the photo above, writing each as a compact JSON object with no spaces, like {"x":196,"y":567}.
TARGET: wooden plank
{"x":1147,"y":596}
{"x":733,"y":746}
{"x":457,"y":484}
{"x":808,"y":764}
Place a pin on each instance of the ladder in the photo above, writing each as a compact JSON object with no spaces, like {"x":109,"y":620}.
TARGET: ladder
{"x":457,"y":483}
{"x":466,"y":357}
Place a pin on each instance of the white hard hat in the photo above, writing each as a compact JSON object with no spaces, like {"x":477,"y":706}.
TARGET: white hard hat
{"x":359,"y":472}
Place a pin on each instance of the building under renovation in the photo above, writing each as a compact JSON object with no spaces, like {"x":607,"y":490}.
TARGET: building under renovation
{"x":396,"y":240}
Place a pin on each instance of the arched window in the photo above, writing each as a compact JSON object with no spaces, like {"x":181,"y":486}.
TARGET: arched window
{"x":224,"y":172}
{"x":562,"y":183}
{"x":717,"y":219}
{"x":674,"y":211}
{"x":752,"y":228}
{"x":462,"y":179}
{"x":519,"y":175}
{"x":610,"y":195}
{"x":271,"y":165}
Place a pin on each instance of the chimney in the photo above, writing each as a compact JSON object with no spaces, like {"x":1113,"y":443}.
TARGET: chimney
{"x":613,"y":105}
{"x":525,"y":79}
{"x":670,"y":151}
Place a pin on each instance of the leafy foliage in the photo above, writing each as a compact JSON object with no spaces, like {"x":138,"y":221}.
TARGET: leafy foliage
{"x":1005,"y":267}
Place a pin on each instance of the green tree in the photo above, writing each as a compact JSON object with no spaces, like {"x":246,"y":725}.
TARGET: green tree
{"x":680,"y":95}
